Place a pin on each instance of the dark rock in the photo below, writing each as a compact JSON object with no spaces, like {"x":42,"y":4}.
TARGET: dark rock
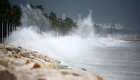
{"x":13,"y":49}
{"x":84,"y":69}
{"x":16,"y":50}
{"x":27,"y":55}
{"x":20,"y":47}
{"x":59,"y":66}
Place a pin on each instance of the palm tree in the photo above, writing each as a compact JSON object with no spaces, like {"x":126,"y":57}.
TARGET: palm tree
{"x":18,"y":13}
{"x":69,"y":23}
{"x":5,"y":8}
{"x":40,"y":7}
{"x":53,"y":19}
{"x":11,"y":18}
{"x":59,"y":24}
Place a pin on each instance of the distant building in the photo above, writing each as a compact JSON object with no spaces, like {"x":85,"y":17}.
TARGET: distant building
{"x":111,"y":26}
{"x":107,"y":26}
{"x":118,"y":26}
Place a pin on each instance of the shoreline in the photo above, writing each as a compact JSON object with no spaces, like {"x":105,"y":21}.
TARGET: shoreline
{"x":17,"y":63}
{"x":127,"y":38}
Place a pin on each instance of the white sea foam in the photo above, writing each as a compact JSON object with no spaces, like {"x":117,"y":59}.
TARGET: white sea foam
{"x":67,"y":48}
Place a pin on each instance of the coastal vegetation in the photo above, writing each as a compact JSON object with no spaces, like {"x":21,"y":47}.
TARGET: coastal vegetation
{"x":9,"y":12}
{"x":13,"y":13}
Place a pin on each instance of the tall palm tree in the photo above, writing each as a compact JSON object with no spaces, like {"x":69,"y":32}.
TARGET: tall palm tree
{"x":18,"y":12}
{"x":5,"y":8}
{"x":69,"y":22}
{"x":53,"y":19}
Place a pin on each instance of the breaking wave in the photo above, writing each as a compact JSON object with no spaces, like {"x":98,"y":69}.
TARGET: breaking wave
{"x":68,"y":48}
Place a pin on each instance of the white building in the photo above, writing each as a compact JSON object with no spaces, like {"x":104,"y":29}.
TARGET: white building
{"x":109,"y":26}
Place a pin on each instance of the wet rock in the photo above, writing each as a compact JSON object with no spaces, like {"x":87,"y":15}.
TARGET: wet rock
{"x":47,"y":59}
{"x":20,"y":47}
{"x":8,"y":48}
{"x":16,"y":50}
{"x":59,"y":66}
{"x":51,"y":60}
{"x":84,"y":69}
{"x":27,"y":55}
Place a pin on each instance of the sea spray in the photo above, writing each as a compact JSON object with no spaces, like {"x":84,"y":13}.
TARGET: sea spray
{"x":34,"y":17}
{"x":85,"y":27}
{"x":72,"y":48}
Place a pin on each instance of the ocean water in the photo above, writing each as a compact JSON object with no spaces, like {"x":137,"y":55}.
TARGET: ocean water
{"x":81,"y":48}
{"x":116,"y":63}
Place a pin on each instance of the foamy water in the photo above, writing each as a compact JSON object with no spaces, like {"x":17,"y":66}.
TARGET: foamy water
{"x":80,"y":49}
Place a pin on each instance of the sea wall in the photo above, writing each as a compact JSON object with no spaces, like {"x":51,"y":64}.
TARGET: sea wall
{"x":17,"y":63}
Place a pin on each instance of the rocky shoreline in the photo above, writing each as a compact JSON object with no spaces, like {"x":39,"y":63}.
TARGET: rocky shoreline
{"x":17,"y":63}
{"x":128,"y":38}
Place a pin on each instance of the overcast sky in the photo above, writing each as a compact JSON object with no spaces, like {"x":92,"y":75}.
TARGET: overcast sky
{"x":124,"y":12}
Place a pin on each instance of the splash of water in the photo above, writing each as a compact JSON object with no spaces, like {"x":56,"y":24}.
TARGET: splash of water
{"x":34,"y":17}
{"x":65,"y":48}
{"x":85,"y":27}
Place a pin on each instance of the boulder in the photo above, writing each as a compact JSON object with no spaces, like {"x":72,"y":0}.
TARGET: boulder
{"x":17,"y":63}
